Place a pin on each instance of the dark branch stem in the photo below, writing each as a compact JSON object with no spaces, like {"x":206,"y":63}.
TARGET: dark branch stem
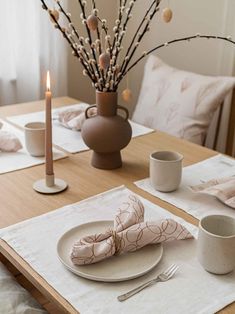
{"x":76,"y":33}
{"x":120,"y":16}
{"x":175,"y":41}
{"x":136,"y":33}
{"x":140,"y":37}
{"x":90,"y":39}
{"x":63,"y":31}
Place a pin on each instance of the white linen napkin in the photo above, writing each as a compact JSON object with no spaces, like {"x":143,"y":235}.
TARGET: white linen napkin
{"x":130,"y":233}
{"x":222,"y":188}
{"x":74,"y":117}
{"x":9,"y":142}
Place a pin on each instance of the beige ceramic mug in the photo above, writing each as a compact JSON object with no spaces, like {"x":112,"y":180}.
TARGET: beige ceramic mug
{"x":165,"y":170}
{"x":216,"y":244}
{"x":35,"y":138}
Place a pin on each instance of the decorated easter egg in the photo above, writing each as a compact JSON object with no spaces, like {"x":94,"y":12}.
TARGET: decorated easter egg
{"x":127,"y":95}
{"x":92,"y":22}
{"x":104,"y":60}
{"x":56,"y":15}
{"x":167,"y":15}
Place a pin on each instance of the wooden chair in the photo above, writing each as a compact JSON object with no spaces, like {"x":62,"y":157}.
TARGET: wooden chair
{"x":229,"y":145}
{"x":231,"y":128}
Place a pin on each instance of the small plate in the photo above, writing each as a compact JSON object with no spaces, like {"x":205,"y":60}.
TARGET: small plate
{"x":116,"y":268}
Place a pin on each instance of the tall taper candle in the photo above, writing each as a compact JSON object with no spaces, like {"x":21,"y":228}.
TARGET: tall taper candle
{"x":48,"y":148}
{"x":49,"y":185}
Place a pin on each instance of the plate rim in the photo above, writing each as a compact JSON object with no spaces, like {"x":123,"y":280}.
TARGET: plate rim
{"x":97,"y":278}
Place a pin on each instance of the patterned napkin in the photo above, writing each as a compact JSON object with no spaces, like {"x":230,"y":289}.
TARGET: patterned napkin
{"x":8,"y":141}
{"x":129,"y":234}
{"x":223,"y":189}
{"x":73,"y":118}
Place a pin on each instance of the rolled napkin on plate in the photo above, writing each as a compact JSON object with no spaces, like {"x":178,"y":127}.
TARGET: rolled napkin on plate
{"x":222,"y":188}
{"x":74,"y":117}
{"x":8,"y":141}
{"x":129,"y":234}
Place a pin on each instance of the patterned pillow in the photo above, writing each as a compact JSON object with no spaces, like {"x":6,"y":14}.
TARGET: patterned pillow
{"x":178,"y":102}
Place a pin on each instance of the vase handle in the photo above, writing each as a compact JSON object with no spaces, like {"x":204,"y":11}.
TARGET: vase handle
{"x":87,"y":109}
{"x":126,"y":111}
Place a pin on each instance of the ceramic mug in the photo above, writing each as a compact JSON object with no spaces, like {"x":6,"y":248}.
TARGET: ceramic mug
{"x":165,"y":170}
{"x":35,"y":138}
{"x":216,"y":244}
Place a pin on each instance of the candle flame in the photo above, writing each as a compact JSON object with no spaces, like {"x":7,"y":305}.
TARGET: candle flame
{"x":48,"y":81}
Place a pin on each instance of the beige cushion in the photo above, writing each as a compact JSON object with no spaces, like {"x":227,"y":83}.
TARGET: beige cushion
{"x":178,"y":102}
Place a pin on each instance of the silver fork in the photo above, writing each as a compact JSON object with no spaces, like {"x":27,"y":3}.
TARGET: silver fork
{"x":164,"y":276}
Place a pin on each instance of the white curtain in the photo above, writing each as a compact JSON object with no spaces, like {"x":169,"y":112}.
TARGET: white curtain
{"x":30,"y":46}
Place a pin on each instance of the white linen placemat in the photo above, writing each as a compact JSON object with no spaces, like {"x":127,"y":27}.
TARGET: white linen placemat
{"x":197,"y":204}
{"x":192,"y":290}
{"x":19,"y":160}
{"x":69,"y":140}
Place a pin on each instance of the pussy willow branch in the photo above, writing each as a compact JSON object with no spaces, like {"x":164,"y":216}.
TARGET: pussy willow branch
{"x":99,"y":46}
{"x":120,"y":16}
{"x":121,"y":35}
{"x":63,"y":31}
{"x":137,"y":31}
{"x":114,"y":50}
{"x":93,"y":4}
{"x":128,"y":59}
{"x":128,"y":17}
{"x":90,"y":41}
{"x":175,"y":41}
{"x":77,"y":35}
{"x":68,"y":18}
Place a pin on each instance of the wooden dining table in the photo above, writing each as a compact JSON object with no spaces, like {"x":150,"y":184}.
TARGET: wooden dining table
{"x":19,"y":201}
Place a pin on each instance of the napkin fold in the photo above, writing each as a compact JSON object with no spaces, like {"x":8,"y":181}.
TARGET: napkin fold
{"x":74,"y":117}
{"x":8,"y":141}
{"x":222,"y":188}
{"x":129,"y":234}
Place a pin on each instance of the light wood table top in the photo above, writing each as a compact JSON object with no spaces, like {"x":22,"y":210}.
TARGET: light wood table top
{"x":20,"y":202}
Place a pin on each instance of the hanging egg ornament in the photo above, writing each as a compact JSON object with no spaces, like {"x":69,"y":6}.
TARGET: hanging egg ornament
{"x":127,"y":95}
{"x":117,"y":69}
{"x":92,"y":22}
{"x":104,"y":60}
{"x":56,"y":15}
{"x":167,"y":15}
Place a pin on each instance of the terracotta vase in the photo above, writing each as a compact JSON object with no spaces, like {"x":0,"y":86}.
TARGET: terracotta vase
{"x":107,"y":132}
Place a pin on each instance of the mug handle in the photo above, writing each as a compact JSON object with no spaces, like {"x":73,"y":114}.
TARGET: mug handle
{"x":87,"y":109}
{"x":126,"y":111}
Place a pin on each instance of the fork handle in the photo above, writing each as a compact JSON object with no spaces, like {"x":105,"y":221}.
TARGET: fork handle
{"x":132,"y":292}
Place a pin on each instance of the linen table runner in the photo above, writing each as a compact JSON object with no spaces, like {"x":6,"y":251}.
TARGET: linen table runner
{"x":197,"y":204}
{"x":71,"y":141}
{"x":19,"y":160}
{"x":192,"y":290}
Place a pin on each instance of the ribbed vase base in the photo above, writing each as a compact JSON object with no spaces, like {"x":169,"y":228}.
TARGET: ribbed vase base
{"x":106,"y":161}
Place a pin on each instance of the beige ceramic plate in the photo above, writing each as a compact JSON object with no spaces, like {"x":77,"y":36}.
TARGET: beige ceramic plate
{"x":116,"y":268}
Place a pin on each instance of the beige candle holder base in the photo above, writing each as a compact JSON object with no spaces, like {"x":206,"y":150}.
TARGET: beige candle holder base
{"x":50,"y":185}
